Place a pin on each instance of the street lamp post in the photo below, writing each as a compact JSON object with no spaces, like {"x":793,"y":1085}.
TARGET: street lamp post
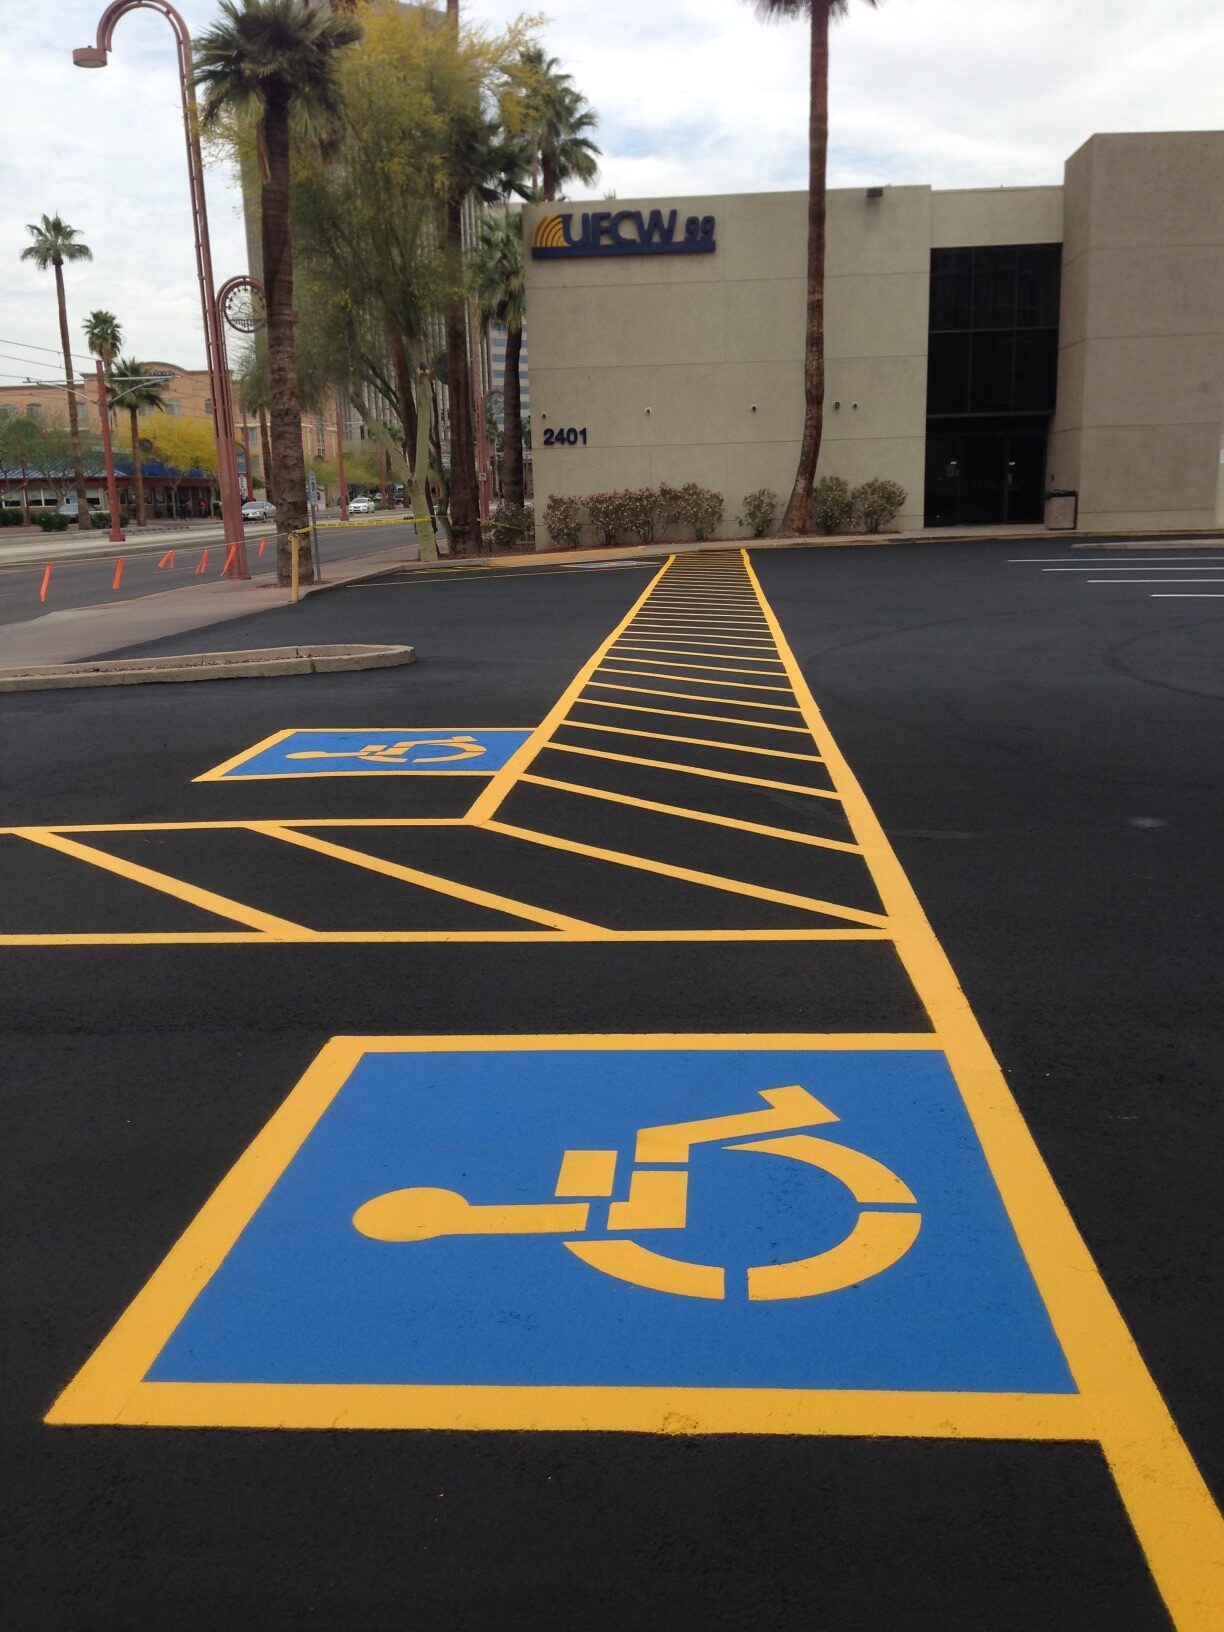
{"x":95,"y":56}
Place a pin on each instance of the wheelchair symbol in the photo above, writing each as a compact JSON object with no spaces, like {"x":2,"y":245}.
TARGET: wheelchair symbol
{"x":400,"y":753}
{"x":658,"y":1200}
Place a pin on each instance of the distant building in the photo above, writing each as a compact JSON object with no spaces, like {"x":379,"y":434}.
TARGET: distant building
{"x":497,"y":368}
{"x":188,"y":394}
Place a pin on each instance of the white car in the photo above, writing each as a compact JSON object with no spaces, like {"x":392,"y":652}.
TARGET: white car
{"x":258,"y":510}
{"x":362,"y":505}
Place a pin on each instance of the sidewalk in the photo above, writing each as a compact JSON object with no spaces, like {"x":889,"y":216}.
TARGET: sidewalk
{"x":89,"y":631}
{"x":20,"y":546}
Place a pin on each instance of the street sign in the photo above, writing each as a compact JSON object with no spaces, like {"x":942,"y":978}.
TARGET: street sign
{"x":406,"y":750}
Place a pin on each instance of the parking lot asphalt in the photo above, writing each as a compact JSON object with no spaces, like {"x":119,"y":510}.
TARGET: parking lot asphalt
{"x":672,"y":889}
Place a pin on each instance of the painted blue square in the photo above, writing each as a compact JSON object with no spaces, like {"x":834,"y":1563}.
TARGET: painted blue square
{"x":303,"y":1297}
{"x":436,"y":752}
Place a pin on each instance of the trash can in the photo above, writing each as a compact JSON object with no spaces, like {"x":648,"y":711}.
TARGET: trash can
{"x":1061,"y":509}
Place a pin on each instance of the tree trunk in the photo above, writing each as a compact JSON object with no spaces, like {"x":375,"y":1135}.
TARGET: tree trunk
{"x":433,"y":469}
{"x":286,"y":414}
{"x":512,"y":471}
{"x":341,"y":483}
{"x":137,"y":466}
{"x":265,"y":447}
{"x":798,"y":518}
{"x":464,"y":504}
{"x":548,"y":170}
{"x":403,"y":390}
{"x":422,"y":505}
{"x":84,"y":520}
{"x":25,"y":495}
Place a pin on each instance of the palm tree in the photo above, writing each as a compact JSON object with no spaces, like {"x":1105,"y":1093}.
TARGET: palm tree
{"x":54,"y":243}
{"x":557,"y":118}
{"x":497,"y":275}
{"x":103,"y":336}
{"x":485,"y":164}
{"x":275,"y":61}
{"x":132,"y":387}
{"x":798,"y":517}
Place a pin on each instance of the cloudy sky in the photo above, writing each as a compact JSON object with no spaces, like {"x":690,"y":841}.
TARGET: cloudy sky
{"x":694,"y":96}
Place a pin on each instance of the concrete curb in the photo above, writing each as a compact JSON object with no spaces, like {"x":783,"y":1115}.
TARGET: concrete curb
{"x":662,"y":548}
{"x":268,"y":662}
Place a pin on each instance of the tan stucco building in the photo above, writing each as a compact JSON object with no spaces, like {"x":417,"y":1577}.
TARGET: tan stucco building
{"x":983,"y":346}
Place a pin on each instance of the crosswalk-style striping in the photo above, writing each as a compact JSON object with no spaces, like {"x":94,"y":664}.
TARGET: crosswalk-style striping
{"x":702,"y":780}
{"x":677,"y":775}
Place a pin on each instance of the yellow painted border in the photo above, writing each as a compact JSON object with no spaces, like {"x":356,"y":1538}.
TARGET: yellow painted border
{"x":220,"y":773}
{"x":1169,"y":1505}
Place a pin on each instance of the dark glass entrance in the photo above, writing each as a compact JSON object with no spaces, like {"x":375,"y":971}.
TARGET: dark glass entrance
{"x":991,"y":379}
{"x":978,"y":474}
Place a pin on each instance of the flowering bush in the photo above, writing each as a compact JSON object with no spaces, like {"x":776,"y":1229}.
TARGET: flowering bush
{"x":640,"y":511}
{"x":876,"y":502}
{"x":691,"y":506}
{"x":607,"y":514}
{"x":760,"y":511}
{"x":832,"y":507}
{"x":563,"y":521}
{"x":513,"y":526}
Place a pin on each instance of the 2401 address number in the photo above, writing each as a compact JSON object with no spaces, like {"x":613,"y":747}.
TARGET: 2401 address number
{"x":557,"y":438}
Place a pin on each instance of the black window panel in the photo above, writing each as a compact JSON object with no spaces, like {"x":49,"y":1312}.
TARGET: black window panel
{"x":951,"y":289}
{"x":1037,"y":286}
{"x":994,"y":289}
{"x":948,"y":374}
{"x":1036,"y":373}
{"x":1009,"y":286}
{"x":990,"y":372}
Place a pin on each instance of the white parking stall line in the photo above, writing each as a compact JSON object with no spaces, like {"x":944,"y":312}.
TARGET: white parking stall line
{"x":1147,"y":566}
{"x":1131,"y":582}
{"x":1117,"y":560}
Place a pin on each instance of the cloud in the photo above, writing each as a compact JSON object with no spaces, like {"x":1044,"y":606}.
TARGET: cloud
{"x":693,"y":96}
{"x":957,"y":93}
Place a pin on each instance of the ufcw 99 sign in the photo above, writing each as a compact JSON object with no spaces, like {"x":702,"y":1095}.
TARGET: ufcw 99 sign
{"x":621,"y":232}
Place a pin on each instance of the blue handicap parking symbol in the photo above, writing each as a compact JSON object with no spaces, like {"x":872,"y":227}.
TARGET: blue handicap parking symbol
{"x":356,"y":753}
{"x":760,"y":1218}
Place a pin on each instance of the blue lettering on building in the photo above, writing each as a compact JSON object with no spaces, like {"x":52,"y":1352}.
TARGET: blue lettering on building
{"x":571,"y":236}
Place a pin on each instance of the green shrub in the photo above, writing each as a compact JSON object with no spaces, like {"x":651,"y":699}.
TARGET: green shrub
{"x":513,"y":526}
{"x":563,"y":521}
{"x":607,"y":514}
{"x":101,"y":518}
{"x":640,"y":512}
{"x":10,"y":518}
{"x":831,"y":504}
{"x":876,"y":502}
{"x":760,"y":512}
{"x":51,"y":521}
{"x":691,"y":506}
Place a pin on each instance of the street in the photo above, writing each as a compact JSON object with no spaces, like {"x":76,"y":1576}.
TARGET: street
{"x":90,"y":580}
{"x":378,"y":1043}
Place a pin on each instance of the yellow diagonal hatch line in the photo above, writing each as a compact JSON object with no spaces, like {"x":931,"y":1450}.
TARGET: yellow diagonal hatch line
{"x":281,"y":929}
{"x":430,"y":881}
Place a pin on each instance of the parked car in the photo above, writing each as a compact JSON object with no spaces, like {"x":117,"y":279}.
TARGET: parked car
{"x":258,"y":510}
{"x":71,"y":509}
{"x":362,"y":505}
